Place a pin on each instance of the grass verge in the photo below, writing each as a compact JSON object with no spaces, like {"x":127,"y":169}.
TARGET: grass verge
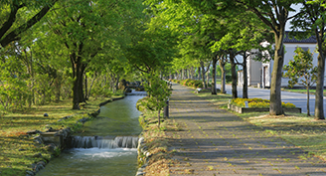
{"x":298,"y":129}
{"x":18,"y":151}
{"x":303,"y":91}
{"x":156,"y":140}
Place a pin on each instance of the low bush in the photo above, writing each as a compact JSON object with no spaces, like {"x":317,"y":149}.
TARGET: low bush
{"x":257,"y":103}
{"x":189,"y":82}
{"x":228,"y":78}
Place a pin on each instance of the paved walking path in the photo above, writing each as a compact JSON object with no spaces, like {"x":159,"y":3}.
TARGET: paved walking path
{"x":216,"y":142}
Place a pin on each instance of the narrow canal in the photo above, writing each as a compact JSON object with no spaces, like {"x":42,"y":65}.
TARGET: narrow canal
{"x":106,"y":147}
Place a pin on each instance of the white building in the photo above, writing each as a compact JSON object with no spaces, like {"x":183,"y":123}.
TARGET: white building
{"x":259,"y":73}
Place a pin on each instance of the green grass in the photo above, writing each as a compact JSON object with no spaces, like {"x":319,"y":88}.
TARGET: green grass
{"x":304,"y":91}
{"x":13,"y":128}
{"x":302,"y":131}
{"x":298,"y":129}
{"x":218,"y":81}
{"x":221,"y":100}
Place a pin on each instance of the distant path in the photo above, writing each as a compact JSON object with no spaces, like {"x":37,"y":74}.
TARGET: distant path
{"x":298,"y":99}
{"x":216,"y":142}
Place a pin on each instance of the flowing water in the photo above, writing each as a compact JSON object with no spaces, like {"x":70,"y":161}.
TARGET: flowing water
{"x":106,"y":147}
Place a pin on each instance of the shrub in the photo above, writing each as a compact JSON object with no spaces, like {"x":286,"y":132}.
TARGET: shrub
{"x":199,"y":84}
{"x":190,"y":82}
{"x":257,"y":103}
{"x":228,"y":78}
{"x":288,"y":105}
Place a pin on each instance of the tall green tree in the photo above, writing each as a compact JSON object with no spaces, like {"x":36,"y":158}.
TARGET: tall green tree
{"x":86,"y":29}
{"x":310,"y":21}
{"x":215,"y":27}
{"x":275,"y":15}
{"x":158,"y":91}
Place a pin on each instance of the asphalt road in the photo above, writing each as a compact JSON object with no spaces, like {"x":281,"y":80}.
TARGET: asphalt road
{"x":298,"y":99}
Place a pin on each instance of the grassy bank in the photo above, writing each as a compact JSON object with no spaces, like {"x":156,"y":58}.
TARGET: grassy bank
{"x":156,"y":140}
{"x":18,"y":151}
{"x":298,"y":129}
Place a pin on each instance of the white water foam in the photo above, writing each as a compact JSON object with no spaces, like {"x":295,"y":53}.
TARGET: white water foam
{"x":101,"y":142}
{"x":98,"y":153}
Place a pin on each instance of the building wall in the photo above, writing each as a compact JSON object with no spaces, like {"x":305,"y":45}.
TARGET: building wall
{"x":289,"y":55}
{"x":240,"y":78}
{"x":255,"y":69}
{"x":266,"y":70}
{"x":266,"y":82}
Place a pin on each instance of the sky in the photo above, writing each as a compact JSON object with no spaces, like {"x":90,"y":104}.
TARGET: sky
{"x":297,"y":8}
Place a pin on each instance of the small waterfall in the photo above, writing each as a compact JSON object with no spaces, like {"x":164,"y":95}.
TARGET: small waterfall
{"x":136,"y":93}
{"x":102,"y":142}
{"x":127,"y":141}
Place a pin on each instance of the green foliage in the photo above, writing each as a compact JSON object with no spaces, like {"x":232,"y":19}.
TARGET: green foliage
{"x":228,"y":78}
{"x":142,"y":104}
{"x":301,"y":67}
{"x":157,"y":90}
{"x":227,"y":68}
{"x":101,"y":91}
{"x":57,"y":151}
{"x":13,"y":87}
{"x":16,"y":17}
{"x":192,"y":83}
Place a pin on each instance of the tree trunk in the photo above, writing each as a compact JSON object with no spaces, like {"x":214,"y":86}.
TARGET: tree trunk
{"x":183,"y":74}
{"x":275,"y":92}
{"x":319,"y":99}
{"x":43,"y":97}
{"x":222,"y":67}
{"x":207,"y":72}
{"x":57,"y":84}
{"x":199,"y":73}
{"x":78,"y":83}
{"x":207,"y":82}
{"x":203,"y":74}
{"x":214,"y":76}
{"x":76,"y":95}
{"x":245,"y":77}
{"x":81,"y":84}
{"x":193,"y":73}
{"x":29,"y":66}
{"x":234,"y":76}
{"x":159,"y":118}
{"x":33,"y":80}
{"x":308,"y":108}
{"x":117,"y":82}
{"x":86,"y":88}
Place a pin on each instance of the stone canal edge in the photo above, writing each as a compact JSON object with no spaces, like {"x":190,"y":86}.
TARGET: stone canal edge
{"x":57,"y":140}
